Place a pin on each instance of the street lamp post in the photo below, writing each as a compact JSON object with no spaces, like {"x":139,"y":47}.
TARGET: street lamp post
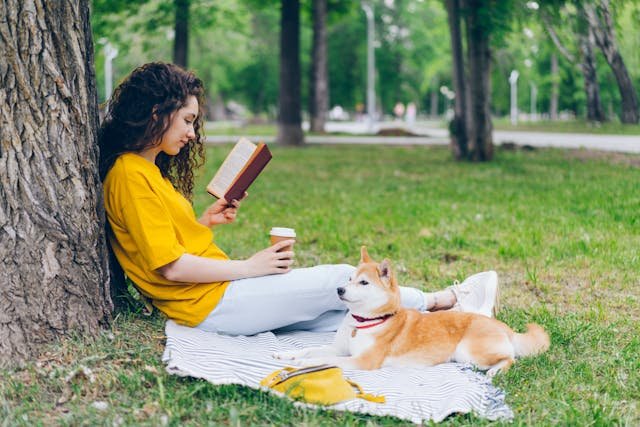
{"x":371,"y":94}
{"x":534,"y":96}
{"x":513,"y":80}
{"x":110,"y":52}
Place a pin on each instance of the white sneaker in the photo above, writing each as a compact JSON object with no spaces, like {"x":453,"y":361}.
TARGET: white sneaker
{"x":478,"y":294}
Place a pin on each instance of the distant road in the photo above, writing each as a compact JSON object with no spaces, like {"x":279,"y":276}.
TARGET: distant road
{"x":438,"y":136}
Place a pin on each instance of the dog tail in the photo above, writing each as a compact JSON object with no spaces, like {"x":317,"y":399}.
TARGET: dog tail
{"x":534,"y":341}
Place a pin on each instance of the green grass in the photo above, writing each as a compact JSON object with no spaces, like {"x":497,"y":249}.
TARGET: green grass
{"x":560,"y":227}
{"x":572,"y":126}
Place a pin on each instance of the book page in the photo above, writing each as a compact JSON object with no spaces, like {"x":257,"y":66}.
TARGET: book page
{"x":231,"y":167}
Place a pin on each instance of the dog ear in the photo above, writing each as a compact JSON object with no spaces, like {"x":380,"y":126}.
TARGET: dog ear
{"x":364,"y":255}
{"x":384,"y":269}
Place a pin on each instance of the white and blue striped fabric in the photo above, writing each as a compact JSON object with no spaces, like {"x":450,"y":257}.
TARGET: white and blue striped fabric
{"x":417,"y":395}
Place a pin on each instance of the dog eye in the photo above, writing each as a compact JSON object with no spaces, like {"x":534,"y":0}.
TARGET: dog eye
{"x":363,"y":282}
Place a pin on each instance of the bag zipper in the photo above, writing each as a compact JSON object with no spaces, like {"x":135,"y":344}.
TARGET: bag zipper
{"x":286,"y":375}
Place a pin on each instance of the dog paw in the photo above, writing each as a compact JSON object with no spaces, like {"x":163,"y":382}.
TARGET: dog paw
{"x":287,"y":355}
{"x":492,"y":372}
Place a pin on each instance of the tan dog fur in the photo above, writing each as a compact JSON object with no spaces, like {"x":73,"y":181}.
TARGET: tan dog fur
{"x":412,"y":338}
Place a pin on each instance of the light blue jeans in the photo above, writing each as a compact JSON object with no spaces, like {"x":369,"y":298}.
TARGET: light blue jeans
{"x":302,"y":299}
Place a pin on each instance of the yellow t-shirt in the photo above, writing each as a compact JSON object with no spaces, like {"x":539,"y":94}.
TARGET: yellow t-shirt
{"x":152,"y":224}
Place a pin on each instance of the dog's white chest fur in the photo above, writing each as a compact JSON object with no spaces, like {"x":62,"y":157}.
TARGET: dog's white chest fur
{"x":359,"y":341}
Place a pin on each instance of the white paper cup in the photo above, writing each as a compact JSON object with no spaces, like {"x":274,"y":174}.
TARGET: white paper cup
{"x":281,"y":233}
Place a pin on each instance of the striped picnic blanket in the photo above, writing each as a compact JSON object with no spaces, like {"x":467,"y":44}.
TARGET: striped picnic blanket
{"x":412,"y":394}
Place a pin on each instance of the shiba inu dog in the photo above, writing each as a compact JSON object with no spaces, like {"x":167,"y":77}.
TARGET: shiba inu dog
{"x":378,"y":332}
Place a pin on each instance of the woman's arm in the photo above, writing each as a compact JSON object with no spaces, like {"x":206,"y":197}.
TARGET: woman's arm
{"x":196,"y":269}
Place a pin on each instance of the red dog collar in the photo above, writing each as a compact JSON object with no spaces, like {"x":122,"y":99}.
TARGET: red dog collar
{"x":380,"y":319}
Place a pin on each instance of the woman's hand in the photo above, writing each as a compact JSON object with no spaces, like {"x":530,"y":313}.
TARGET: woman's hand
{"x":270,"y":261}
{"x":221,"y":212}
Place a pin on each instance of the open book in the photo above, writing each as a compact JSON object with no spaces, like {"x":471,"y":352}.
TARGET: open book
{"x":241,"y":167}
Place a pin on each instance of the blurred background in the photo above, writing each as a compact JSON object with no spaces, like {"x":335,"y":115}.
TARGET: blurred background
{"x":234,"y":46}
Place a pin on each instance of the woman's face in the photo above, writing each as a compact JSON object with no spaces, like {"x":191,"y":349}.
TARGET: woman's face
{"x":181,"y":128}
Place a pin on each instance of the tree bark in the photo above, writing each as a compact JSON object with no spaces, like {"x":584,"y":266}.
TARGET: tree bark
{"x":289,"y":117}
{"x":53,"y":253}
{"x":480,"y":134}
{"x":181,"y":26}
{"x":555,"y":90}
{"x":595,"y":112}
{"x":601,"y":25}
{"x":458,"y":126}
{"x":587,"y":65}
{"x":319,"y":79}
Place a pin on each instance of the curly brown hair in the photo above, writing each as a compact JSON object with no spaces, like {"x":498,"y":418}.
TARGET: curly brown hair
{"x":139,"y":113}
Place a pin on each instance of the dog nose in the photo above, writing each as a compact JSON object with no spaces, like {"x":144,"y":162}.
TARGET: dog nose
{"x":341,"y":291}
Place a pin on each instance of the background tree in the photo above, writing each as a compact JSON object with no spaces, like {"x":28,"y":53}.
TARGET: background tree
{"x":52,"y":244}
{"x":478,"y":14}
{"x":553,"y":16}
{"x":599,"y":16}
{"x":181,"y":32}
{"x":318,"y":77}
{"x":461,"y":116}
{"x":482,"y":20}
{"x":289,"y":102}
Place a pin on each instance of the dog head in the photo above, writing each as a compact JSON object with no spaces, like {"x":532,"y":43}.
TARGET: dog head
{"x":372,"y":290}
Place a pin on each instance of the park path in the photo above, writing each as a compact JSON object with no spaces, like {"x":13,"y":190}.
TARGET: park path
{"x":437,"y":136}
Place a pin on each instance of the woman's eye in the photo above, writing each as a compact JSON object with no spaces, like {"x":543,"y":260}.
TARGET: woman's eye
{"x":363,"y":282}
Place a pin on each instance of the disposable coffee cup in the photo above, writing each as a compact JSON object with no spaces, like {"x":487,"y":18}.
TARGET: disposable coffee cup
{"x":280,"y":233}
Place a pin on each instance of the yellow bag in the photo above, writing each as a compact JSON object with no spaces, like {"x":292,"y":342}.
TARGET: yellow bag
{"x":322,"y":385}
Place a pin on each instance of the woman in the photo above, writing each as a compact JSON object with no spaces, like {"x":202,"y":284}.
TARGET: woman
{"x":150,"y":144}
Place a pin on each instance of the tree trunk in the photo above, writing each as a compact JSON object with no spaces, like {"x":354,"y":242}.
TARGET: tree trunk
{"x":181,"y":40}
{"x":319,"y":80}
{"x":595,"y":113}
{"x":555,"y":83}
{"x":601,"y":24}
{"x":53,"y":253}
{"x":480,"y":135}
{"x":289,"y":120}
{"x":587,"y":64}
{"x":458,"y":126}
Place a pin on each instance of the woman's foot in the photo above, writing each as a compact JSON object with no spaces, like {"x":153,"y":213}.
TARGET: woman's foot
{"x":478,"y":293}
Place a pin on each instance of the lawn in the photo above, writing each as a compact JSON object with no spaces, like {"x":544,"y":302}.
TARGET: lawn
{"x":568,"y":126}
{"x":559,"y":227}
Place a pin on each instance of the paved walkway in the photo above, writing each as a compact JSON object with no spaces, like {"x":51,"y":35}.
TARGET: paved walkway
{"x":439,"y":136}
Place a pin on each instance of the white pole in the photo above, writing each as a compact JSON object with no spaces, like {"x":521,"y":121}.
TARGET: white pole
{"x":110,"y":52}
{"x":371,"y":93}
{"x":513,"y":80}
{"x":534,"y":95}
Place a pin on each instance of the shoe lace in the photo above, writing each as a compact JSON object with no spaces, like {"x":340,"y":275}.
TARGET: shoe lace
{"x":458,"y":290}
